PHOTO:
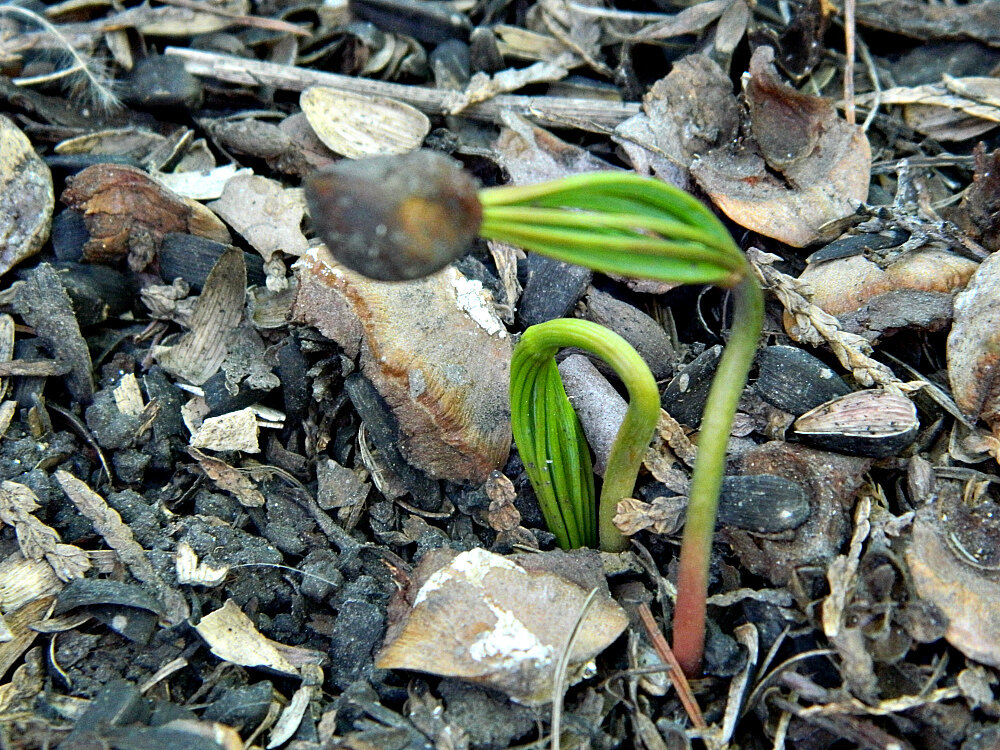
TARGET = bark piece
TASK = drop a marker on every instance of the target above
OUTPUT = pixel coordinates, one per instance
(43, 303)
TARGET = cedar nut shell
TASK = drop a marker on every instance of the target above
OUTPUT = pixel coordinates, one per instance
(395, 218)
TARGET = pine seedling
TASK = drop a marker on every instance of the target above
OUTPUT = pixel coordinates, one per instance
(404, 217)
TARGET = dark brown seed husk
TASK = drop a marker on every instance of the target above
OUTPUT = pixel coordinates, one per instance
(395, 218)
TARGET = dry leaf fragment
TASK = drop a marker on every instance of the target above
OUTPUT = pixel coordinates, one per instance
(269, 217)
(192, 572)
(665, 515)
(24, 580)
(974, 345)
(26, 197)
(108, 523)
(232, 637)
(127, 212)
(36, 540)
(200, 352)
(358, 126)
(690, 111)
(513, 625)
(229, 479)
(824, 163)
(965, 590)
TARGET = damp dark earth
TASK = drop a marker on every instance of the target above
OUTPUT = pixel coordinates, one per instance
(488, 374)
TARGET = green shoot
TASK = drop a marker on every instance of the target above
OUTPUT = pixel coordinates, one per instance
(550, 438)
(634, 226)
(397, 218)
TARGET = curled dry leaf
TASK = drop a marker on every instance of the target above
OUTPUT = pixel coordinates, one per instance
(127, 213)
(665, 515)
(435, 351)
(26, 197)
(358, 126)
(690, 111)
(496, 621)
(974, 345)
(233, 637)
(803, 167)
(867, 299)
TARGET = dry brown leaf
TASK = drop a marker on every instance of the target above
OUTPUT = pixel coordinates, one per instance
(443, 371)
(965, 593)
(229, 479)
(200, 353)
(36, 540)
(690, 111)
(665, 515)
(514, 624)
(824, 163)
(269, 217)
(232, 637)
(531, 154)
(26, 197)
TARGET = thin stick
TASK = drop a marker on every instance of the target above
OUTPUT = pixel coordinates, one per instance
(674, 671)
(586, 114)
(559, 678)
(849, 30)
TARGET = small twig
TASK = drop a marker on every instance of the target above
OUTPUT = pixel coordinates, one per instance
(586, 114)
(258, 22)
(674, 671)
(559, 678)
(849, 31)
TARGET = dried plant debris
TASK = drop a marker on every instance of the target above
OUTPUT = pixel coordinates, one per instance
(973, 369)
(201, 351)
(953, 560)
(233, 638)
(687, 113)
(269, 217)
(127, 213)
(36, 540)
(875, 300)
(444, 373)
(802, 167)
(26, 197)
(516, 620)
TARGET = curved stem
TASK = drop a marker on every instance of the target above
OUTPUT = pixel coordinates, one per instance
(540, 343)
(706, 481)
